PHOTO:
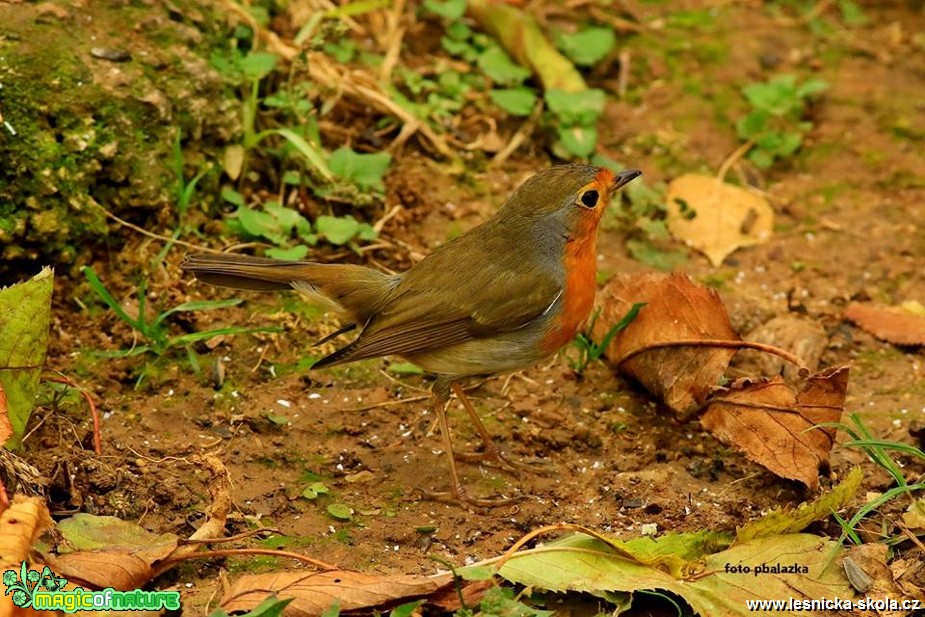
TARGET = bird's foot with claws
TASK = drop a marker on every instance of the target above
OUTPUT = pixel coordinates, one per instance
(459, 497)
(494, 456)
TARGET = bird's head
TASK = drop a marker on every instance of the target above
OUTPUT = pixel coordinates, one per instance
(567, 199)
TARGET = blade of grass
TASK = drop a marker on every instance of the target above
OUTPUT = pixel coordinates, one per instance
(312, 154)
(197, 305)
(97, 285)
(621, 325)
(195, 337)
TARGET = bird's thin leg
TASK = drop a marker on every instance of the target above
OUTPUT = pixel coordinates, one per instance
(492, 453)
(439, 397)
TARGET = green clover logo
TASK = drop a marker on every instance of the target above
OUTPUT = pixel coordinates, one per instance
(10, 578)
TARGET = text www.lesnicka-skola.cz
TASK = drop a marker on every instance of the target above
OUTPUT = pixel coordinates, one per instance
(834, 604)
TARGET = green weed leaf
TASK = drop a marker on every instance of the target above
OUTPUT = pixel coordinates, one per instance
(341, 229)
(272, 606)
(288, 219)
(406, 610)
(761, 158)
(333, 610)
(811, 87)
(576, 108)
(258, 224)
(515, 101)
(233, 197)
(296, 252)
(753, 124)
(312, 153)
(448, 9)
(405, 368)
(258, 64)
(342, 51)
(340, 511)
(458, 31)
(364, 170)
(579, 141)
(500, 68)
(313, 490)
(587, 47)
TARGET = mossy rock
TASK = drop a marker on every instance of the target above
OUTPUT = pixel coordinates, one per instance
(83, 131)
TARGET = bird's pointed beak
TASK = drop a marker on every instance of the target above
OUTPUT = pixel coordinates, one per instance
(625, 177)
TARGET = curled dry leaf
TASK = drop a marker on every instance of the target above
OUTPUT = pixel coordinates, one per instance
(313, 592)
(109, 552)
(893, 324)
(716, 218)
(773, 425)
(679, 347)
(20, 525)
(676, 310)
(118, 569)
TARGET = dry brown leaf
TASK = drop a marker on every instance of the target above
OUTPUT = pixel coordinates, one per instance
(772, 424)
(20, 525)
(6, 427)
(120, 570)
(871, 559)
(108, 552)
(313, 592)
(448, 599)
(717, 218)
(892, 324)
(914, 516)
(676, 309)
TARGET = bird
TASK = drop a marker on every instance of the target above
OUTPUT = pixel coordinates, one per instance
(501, 297)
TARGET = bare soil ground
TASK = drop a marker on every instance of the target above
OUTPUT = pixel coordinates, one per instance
(850, 212)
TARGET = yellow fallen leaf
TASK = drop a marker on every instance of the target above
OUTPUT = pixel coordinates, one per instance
(716, 218)
(913, 306)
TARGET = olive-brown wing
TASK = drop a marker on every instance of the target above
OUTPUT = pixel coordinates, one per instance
(434, 307)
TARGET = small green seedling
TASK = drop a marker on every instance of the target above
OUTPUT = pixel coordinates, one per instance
(588, 350)
(289, 231)
(155, 332)
(571, 115)
(315, 490)
(777, 125)
(270, 607)
(878, 452)
(589, 46)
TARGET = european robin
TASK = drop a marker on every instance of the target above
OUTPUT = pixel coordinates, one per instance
(501, 297)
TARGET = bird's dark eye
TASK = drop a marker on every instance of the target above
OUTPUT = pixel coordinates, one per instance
(589, 198)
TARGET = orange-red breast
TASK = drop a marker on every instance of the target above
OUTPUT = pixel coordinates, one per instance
(498, 298)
